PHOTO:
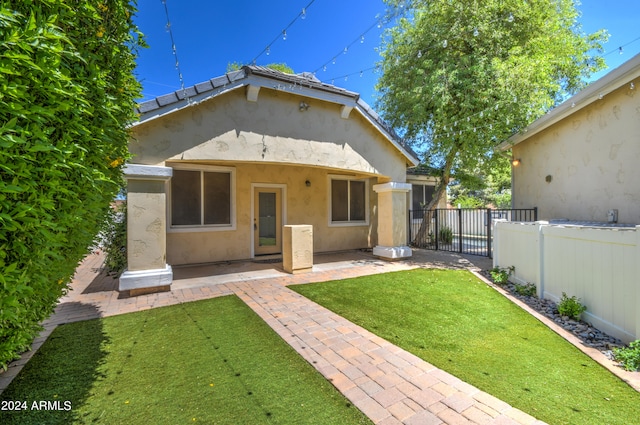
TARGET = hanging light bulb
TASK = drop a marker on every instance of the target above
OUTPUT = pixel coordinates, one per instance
(284, 35)
(419, 54)
(444, 44)
(361, 73)
(346, 77)
(361, 39)
(304, 13)
(481, 114)
(345, 50)
(475, 32)
(324, 68)
(632, 86)
(333, 61)
(620, 50)
(268, 51)
(510, 18)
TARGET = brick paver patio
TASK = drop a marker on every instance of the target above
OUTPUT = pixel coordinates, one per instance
(388, 384)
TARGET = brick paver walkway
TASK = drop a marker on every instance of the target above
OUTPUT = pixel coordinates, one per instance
(388, 384)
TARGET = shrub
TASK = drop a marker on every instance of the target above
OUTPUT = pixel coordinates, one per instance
(629, 356)
(67, 97)
(445, 235)
(527, 290)
(501, 276)
(571, 307)
(114, 241)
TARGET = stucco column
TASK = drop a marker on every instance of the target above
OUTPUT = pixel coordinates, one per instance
(147, 270)
(392, 221)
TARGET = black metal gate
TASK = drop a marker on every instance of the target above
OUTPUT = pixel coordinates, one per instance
(462, 230)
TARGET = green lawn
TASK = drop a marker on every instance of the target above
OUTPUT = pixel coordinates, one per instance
(212, 361)
(459, 324)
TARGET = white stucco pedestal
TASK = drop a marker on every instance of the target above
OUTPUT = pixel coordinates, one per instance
(392, 221)
(147, 270)
(297, 248)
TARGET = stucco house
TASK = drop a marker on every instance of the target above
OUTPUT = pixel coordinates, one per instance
(580, 161)
(219, 169)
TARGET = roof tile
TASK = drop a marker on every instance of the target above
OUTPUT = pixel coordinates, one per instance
(203, 87)
(219, 81)
(190, 91)
(167, 99)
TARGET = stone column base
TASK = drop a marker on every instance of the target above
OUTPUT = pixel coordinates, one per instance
(146, 281)
(392, 252)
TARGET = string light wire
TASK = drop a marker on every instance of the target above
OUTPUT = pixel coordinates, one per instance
(175, 52)
(283, 34)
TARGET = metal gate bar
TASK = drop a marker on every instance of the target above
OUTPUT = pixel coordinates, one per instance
(462, 230)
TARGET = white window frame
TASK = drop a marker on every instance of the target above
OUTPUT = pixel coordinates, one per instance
(203, 227)
(348, 223)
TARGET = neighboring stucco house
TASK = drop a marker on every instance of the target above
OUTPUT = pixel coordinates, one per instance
(423, 186)
(219, 168)
(581, 160)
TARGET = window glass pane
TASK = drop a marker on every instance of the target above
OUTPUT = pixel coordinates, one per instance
(418, 196)
(185, 197)
(339, 200)
(217, 198)
(428, 194)
(357, 204)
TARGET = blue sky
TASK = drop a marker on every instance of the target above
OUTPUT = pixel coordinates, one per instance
(210, 34)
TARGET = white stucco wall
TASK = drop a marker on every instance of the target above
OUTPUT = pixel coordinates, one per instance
(591, 158)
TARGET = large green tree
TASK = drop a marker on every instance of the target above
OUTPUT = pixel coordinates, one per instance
(67, 95)
(460, 76)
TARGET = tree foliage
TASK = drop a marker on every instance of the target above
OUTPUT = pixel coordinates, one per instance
(482, 188)
(461, 76)
(67, 94)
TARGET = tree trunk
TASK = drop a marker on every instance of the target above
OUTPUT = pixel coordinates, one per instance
(422, 237)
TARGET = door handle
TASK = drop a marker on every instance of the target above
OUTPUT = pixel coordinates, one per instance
(255, 226)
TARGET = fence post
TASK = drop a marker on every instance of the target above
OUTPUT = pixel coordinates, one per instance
(489, 249)
(437, 229)
(637, 332)
(460, 230)
(409, 226)
(535, 213)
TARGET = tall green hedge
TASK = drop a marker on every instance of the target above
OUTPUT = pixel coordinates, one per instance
(67, 95)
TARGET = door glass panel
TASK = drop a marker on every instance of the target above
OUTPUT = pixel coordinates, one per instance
(267, 219)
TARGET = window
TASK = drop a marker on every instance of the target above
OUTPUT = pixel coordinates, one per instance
(421, 195)
(202, 197)
(349, 201)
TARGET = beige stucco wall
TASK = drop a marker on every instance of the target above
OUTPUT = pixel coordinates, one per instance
(303, 205)
(271, 130)
(592, 157)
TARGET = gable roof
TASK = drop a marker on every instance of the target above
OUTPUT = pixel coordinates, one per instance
(624, 74)
(305, 84)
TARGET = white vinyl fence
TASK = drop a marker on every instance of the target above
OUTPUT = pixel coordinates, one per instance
(599, 265)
